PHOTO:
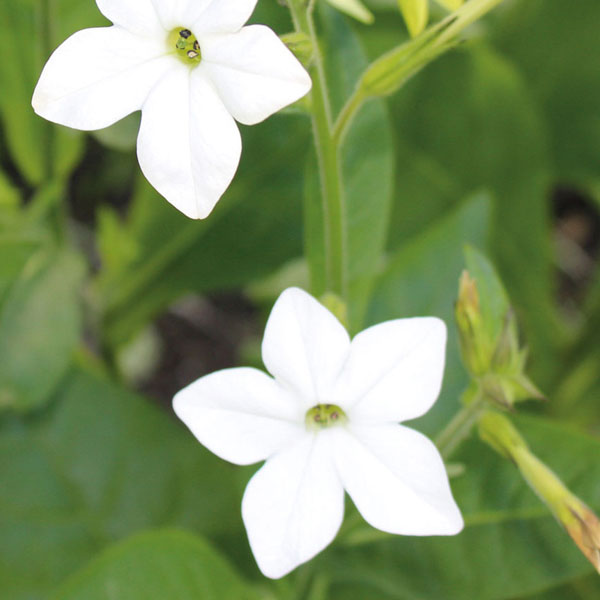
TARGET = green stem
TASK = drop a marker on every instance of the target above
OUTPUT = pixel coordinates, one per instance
(347, 115)
(328, 158)
(459, 428)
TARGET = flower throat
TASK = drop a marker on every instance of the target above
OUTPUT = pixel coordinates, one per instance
(186, 45)
(324, 415)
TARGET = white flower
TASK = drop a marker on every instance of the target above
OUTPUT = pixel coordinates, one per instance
(192, 68)
(326, 423)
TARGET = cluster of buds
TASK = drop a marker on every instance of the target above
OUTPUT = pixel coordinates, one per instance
(490, 349)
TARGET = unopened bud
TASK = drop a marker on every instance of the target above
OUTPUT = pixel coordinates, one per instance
(475, 346)
(300, 45)
(416, 15)
(334, 304)
(574, 515)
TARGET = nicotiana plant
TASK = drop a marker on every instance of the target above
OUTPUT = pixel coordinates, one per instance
(330, 417)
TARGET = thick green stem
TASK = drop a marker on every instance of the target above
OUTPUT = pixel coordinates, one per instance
(459, 428)
(328, 158)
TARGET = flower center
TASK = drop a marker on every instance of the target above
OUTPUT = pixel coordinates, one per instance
(324, 415)
(186, 45)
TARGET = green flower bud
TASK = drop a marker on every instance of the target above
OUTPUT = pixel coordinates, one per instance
(300, 45)
(475, 345)
(573, 514)
(416, 15)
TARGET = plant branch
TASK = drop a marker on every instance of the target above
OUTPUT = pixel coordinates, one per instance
(328, 158)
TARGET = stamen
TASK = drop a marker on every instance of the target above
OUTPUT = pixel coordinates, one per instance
(324, 415)
(188, 47)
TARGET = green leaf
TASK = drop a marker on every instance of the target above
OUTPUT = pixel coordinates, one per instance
(98, 465)
(552, 43)
(255, 229)
(37, 147)
(468, 121)
(157, 565)
(422, 279)
(367, 172)
(40, 326)
(511, 545)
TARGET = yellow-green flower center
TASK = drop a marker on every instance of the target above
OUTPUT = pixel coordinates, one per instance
(324, 415)
(186, 45)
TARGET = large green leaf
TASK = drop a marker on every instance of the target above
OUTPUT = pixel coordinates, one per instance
(511, 546)
(40, 323)
(99, 465)
(467, 122)
(553, 44)
(366, 167)
(422, 279)
(255, 228)
(29, 31)
(158, 565)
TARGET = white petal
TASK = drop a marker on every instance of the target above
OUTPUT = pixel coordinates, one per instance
(99, 76)
(254, 72)
(397, 480)
(394, 371)
(241, 415)
(293, 506)
(189, 145)
(138, 16)
(304, 346)
(180, 13)
(224, 16)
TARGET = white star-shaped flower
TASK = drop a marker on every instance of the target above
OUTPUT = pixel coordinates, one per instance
(192, 68)
(327, 422)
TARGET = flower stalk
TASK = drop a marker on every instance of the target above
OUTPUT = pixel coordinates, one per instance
(580, 522)
(389, 72)
(328, 147)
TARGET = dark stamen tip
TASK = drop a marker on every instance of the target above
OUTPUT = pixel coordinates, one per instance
(185, 33)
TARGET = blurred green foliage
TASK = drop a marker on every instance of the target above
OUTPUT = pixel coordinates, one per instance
(470, 151)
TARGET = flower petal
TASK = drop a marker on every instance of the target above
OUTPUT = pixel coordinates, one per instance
(180, 13)
(254, 72)
(224, 16)
(241, 415)
(293, 506)
(137, 16)
(189, 146)
(394, 370)
(99, 76)
(304, 346)
(205, 16)
(397, 480)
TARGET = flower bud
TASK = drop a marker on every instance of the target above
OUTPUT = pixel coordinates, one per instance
(300, 45)
(574, 515)
(475, 345)
(490, 347)
(415, 13)
(335, 305)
